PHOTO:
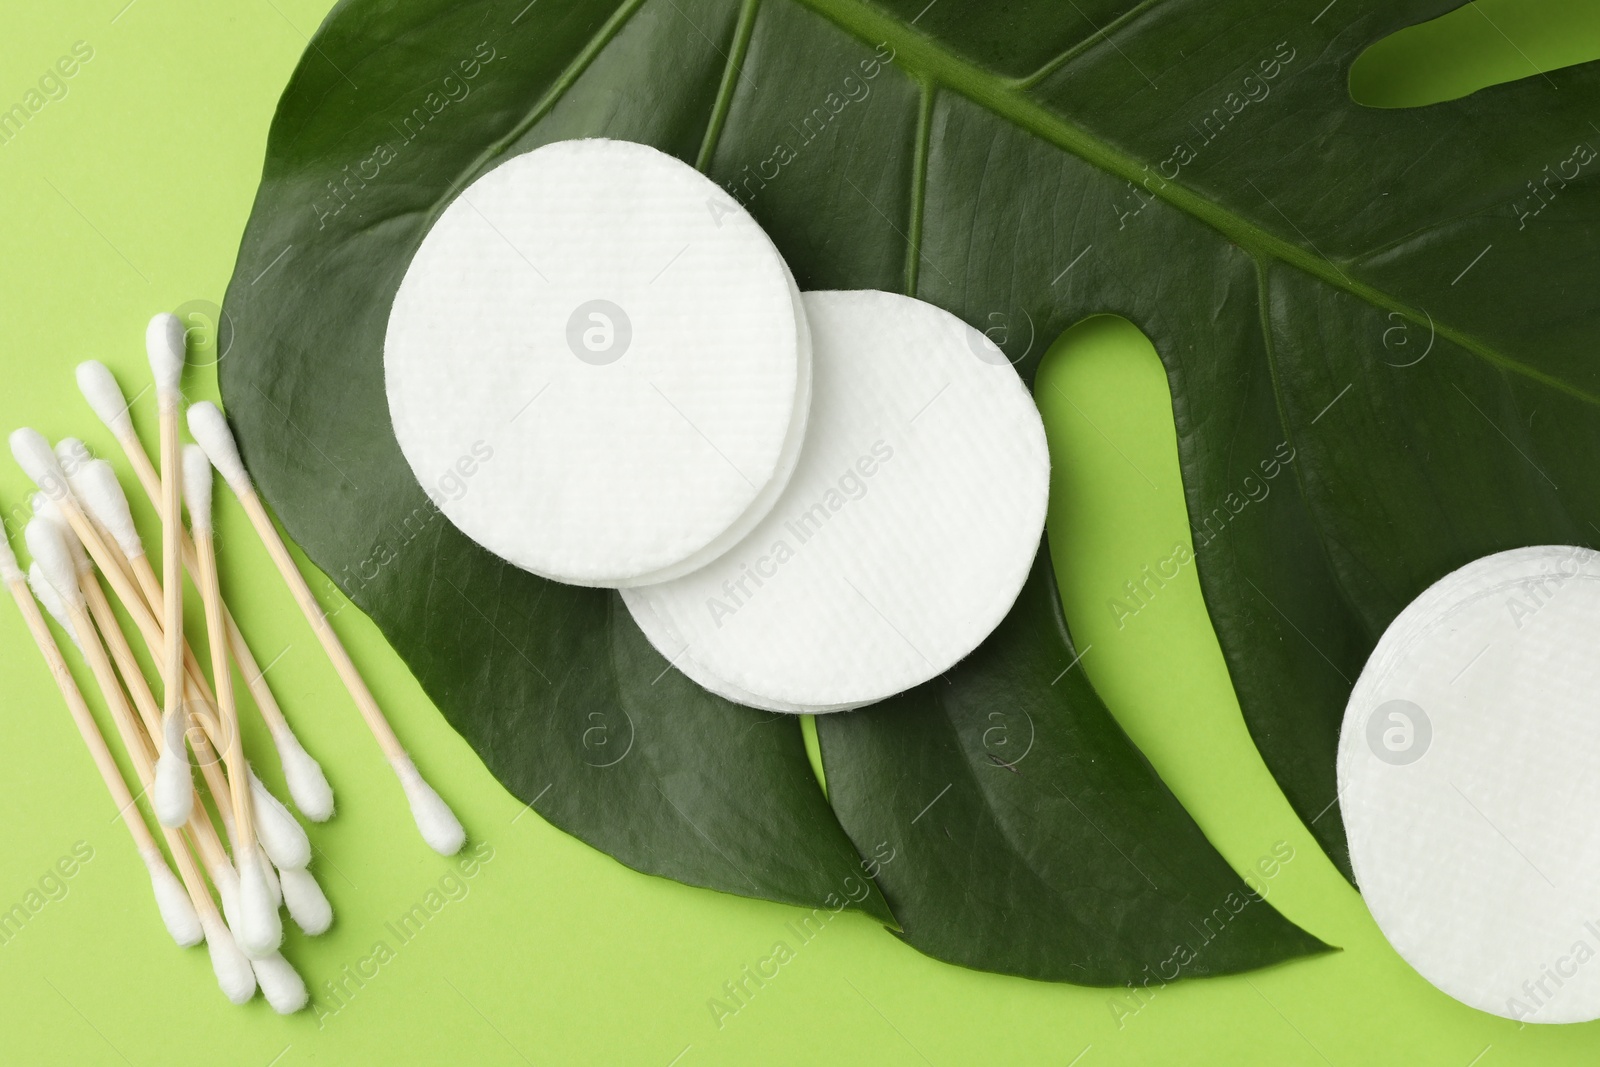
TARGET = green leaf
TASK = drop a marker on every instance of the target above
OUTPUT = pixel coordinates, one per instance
(1028, 835)
(1388, 305)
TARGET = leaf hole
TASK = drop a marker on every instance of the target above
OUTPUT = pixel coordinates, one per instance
(1483, 43)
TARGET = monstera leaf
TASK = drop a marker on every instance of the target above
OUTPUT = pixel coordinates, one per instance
(1370, 320)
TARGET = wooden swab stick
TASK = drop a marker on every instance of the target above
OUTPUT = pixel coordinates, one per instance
(260, 928)
(164, 344)
(307, 784)
(175, 901)
(437, 823)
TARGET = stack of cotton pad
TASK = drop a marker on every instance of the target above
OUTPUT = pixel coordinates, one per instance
(596, 365)
(903, 538)
(600, 369)
(1468, 785)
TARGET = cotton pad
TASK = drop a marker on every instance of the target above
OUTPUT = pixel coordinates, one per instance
(1467, 784)
(901, 541)
(597, 366)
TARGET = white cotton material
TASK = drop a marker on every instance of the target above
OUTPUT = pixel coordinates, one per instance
(72, 454)
(38, 461)
(50, 551)
(282, 837)
(9, 571)
(228, 961)
(281, 984)
(1465, 775)
(172, 792)
(308, 905)
(274, 886)
(226, 879)
(197, 487)
(597, 365)
(209, 427)
(260, 928)
(164, 344)
(99, 387)
(98, 491)
(50, 511)
(308, 786)
(172, 900)
(438, 824)
(46, 594)
(904, 537)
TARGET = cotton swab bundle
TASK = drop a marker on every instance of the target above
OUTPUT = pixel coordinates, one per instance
(36, 457)
(308, 786)
(53, 559)
(260, 929)
(439, 826)
(172, 795)
(42, 464)
(172, 900)
(164, 344)
(230, 964)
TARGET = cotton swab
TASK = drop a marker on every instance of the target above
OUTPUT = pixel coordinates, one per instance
(439, 826)
(307, 903)
(308, 786)
(164, 344)
(172, 900)
(260, 929)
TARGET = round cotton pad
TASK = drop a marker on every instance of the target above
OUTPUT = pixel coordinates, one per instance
(597, 365)
(1466, 782)
(904, 536)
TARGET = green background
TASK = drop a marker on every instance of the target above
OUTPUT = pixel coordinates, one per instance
(126, 196)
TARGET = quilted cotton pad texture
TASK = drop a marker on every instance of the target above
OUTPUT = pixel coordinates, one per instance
(1467, 784)
(597, 365)
(904, 536)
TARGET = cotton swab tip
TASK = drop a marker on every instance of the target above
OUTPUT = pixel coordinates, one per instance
(210, 427)
(438, 824)
(47, 595)
(308, 786)
(96, 487)
(10, 572)
(281, 984)
(197, 487)
(260, 929)
(48, 545)
(228, 962)
(48, 510)
(172, 794)
(307, 903)
(274, 886)
(105, 398)
(285, 842)
(177, 910)
(72, 454)
(34, 455)
(163, 343)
